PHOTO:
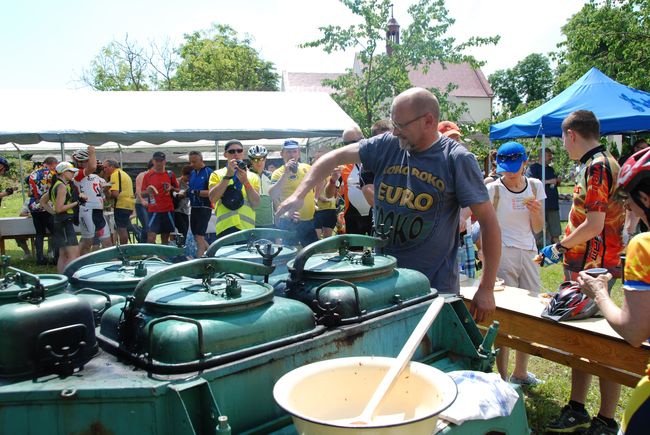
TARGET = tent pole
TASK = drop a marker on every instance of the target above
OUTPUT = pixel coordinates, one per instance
(20, 171)
(119, 148)
(543, 163)
(62, 151)
(216, 154)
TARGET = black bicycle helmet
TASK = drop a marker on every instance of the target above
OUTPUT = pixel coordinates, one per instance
(4, 163)
(569, 303)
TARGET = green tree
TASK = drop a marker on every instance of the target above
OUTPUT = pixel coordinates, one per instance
(366, 94)
(119, 67)
(217, 59)
(530, 80)
(611, 35)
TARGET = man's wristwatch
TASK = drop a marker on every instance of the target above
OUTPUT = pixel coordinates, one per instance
(228, 178)
(561, 249)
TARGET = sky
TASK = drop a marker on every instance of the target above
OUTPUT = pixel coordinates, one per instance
(47, 44)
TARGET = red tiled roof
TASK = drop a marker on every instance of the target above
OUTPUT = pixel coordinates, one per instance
(471, 82)
(307, 82)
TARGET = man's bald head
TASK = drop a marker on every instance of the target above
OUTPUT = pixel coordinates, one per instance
(419, 101)
(352, 135)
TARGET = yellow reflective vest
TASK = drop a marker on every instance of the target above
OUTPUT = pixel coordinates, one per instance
(242, 218)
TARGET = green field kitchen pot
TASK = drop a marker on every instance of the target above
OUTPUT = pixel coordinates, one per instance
(345, 385)
(105, 277)
(204, 318)
(42, 329)
(268, 246)
(344, 286)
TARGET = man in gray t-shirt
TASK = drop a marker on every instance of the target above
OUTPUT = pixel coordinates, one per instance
(419, 195)
(421, 181)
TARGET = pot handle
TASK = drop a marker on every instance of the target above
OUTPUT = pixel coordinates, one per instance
(340, 243)
(247, 236)
(121, 252)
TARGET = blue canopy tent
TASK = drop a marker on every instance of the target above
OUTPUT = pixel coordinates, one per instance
(619, 108)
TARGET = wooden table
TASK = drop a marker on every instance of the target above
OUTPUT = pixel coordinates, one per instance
(16, 227)
(590, 345)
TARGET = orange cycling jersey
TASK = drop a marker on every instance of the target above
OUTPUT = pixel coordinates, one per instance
(596, 191)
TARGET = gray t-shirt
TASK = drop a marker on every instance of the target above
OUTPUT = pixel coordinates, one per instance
(419, 195)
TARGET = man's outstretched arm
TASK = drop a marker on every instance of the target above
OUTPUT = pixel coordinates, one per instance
(320, 171)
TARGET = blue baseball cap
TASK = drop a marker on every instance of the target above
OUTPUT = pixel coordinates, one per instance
(290, 145)
(510, 157)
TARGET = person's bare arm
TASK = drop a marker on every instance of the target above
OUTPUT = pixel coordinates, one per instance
(590, 228)
(45, 204)
(251, 193)
(218, 189)
(324, 166)
(59, 203)
(92, 161)
(368, 191)
(536, 215)
(483, 306)
(631, 321)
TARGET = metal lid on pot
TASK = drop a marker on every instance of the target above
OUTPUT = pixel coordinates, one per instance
(250, 253)
(18, 285)
(116, 276)
(208, 296)
(350, 265)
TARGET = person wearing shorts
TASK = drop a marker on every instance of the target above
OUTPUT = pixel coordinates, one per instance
(60, 196)
(120, 191)
(201, 208)
(325, 216)
(158, 185)
(91, 215)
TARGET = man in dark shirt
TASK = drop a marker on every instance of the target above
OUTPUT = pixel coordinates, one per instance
(552, 204)
(421, 182)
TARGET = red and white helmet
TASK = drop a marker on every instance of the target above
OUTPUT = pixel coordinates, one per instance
(634, 170)
(569, 303)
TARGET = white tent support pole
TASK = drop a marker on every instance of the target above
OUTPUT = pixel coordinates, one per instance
(20, 171)
(216, 154)
(62, 151)
(543, 163)
(119, 148)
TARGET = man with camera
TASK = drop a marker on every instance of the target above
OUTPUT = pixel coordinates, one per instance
(234, 192)
(285, 181)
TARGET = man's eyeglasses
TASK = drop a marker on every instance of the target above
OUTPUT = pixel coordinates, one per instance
(397, 126)
(509, 157)
(235, 151)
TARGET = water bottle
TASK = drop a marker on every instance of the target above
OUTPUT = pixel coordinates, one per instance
(470, 262)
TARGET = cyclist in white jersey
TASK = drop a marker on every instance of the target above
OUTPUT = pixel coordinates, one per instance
(91, 214)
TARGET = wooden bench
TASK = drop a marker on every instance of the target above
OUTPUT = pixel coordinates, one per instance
(14, 228)
(590, 345)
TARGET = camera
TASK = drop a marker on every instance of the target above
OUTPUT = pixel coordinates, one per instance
(241, 165)
(294, 168)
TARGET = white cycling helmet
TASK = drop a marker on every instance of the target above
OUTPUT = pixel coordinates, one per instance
(257, 152)
(80, 155)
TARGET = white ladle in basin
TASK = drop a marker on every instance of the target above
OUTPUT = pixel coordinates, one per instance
(400, 362)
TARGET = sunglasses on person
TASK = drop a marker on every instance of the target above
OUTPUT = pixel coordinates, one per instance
(503, 158)
(235, 151)
(256, 159)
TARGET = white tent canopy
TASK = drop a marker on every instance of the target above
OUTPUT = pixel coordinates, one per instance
(95, 118)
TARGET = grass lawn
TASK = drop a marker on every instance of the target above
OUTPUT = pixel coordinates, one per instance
(543, 402)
